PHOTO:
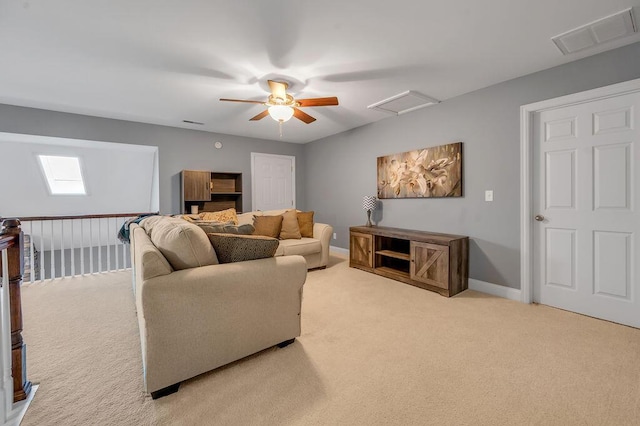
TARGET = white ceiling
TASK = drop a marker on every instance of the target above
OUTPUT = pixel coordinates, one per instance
(166, 61)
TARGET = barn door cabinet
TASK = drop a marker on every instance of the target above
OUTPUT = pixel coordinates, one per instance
(433, 261)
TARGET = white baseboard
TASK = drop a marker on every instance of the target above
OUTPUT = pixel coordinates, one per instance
(339, 250)
(477, 285)
(495, 289)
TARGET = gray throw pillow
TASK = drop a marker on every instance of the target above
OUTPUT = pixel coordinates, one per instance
(226, 228)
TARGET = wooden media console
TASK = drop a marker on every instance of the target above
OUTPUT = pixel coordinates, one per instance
(433, 261)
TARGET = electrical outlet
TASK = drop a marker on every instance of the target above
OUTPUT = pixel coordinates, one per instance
(488, 195)
(335, 236)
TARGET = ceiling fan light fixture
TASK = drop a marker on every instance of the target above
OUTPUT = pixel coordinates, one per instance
(280, 113)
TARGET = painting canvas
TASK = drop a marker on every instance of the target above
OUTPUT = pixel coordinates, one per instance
(423, 173)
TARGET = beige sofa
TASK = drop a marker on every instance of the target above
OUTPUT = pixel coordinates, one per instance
(195, 315)
(315, 250)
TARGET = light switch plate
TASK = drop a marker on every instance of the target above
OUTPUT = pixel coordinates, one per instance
(488, 195)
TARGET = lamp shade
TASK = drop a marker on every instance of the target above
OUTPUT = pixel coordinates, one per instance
(281, 112)
(369, 202)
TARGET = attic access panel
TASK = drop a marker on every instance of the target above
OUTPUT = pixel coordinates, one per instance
(609, 28)
(404, 102)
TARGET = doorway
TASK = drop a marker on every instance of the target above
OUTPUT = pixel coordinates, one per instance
(580, 187)
(273, 183)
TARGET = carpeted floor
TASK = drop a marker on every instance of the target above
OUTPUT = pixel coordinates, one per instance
(372, 352)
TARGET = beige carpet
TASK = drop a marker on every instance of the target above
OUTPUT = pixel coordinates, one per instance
(373, 351)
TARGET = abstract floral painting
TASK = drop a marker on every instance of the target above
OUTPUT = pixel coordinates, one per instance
(423, 173)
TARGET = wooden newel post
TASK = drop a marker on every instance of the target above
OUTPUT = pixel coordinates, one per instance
(15, 266)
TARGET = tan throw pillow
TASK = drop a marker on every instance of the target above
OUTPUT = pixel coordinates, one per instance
(228, 215)
(290, 229)
(269, 226)
(239, 248)
(305, 222)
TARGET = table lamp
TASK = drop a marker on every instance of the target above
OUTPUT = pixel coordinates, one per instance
(369, 204)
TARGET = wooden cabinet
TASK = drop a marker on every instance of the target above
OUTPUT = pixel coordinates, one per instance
(196, 185)
(361, 250)
(433, 261)
(211, 191)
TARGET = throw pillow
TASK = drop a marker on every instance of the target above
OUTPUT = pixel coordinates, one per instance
(305, 221)
(239, 248)
(269, 226)
(290, 229)
(226, 228)
(228, 215)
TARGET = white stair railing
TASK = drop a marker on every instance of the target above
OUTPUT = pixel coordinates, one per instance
(67, 246)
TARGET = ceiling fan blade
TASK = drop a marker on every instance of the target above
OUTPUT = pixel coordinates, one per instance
(303, 116)
(242, 100)
(318, 102)
(260, 116)
(278, 89)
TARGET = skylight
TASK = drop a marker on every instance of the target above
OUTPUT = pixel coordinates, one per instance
(63, 175)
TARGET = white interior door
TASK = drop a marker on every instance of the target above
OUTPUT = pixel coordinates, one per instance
(273, 181)
(586, 186)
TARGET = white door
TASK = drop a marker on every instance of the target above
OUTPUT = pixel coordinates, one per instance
(586, 187)
(272, 181)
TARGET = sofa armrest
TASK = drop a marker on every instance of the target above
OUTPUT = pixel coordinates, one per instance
(212, 315)
(322, 232)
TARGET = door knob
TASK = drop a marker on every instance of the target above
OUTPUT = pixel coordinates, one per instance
(539, 217)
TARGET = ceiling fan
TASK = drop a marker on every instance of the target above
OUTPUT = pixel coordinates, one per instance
(282, 106)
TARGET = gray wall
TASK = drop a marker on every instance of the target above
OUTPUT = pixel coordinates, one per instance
(341, 169)
(179, 149)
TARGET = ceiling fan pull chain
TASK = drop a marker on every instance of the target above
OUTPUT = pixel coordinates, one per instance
(280, 126)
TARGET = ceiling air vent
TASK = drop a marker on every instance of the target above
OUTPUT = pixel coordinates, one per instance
(618, 25)
(404, 102)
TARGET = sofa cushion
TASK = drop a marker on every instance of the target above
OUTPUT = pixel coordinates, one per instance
(228, 215)
(269, 226)
(239, 248)
(183, 244)
(290, 228)
(247, 218)
(302, 247)
(274, 212)
(151, 262)
(305, 222)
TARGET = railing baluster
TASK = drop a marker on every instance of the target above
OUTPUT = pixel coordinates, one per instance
(124, 252)
(91, 245)
(108, 245)
(115, 219)
(53, 254)
(73, 252)
(32, 263)
(82, 246)
(99, 246)
(41, 250)
(62, 256)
